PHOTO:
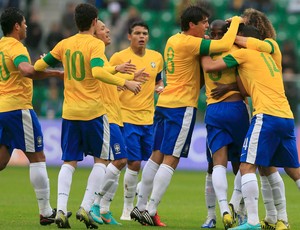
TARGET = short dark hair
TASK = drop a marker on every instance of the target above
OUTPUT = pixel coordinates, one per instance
(250, 31)
(84, 15)
(9, 18)
(137, 23)
(192, 14)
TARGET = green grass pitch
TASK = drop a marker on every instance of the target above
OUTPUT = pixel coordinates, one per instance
(182, 207)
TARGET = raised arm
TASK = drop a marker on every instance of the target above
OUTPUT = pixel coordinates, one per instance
(227, 41)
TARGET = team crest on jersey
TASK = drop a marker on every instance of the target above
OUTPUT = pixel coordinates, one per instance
(39, 140)
(117, 148)
(153, 65)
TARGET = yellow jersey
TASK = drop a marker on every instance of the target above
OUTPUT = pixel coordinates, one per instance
(80, 55)
(111, 100)
(139, 109)
(268, 45)
(15, 89)
(226, 76)
(262, 80)
(181, 55)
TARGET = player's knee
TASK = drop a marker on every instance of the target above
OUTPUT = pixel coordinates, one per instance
(120, 163)
(3, 165)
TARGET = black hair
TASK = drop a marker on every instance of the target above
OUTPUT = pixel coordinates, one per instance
(84, 16)
(250, 31)
(223, 25)
(9, 18)
(192, 14)
(137, 23)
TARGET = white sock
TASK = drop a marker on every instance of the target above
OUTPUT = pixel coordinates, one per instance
(210, 197)
(146, 184)
(237, 195)
(40, 182)
(109, 196)
(94, 183)
(250, 195)
(161, 182)
(266, 191)
(112, 175)
(298, 183)
(278, 192)
(130, 182)
(64, 185)
(219, 181)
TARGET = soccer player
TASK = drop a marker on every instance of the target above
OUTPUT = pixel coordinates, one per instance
(118, 155)
(19, 125)
(227, 122)
(269, 45)
(175, 112)
(138, 110)
(270, 140)
(85, 128)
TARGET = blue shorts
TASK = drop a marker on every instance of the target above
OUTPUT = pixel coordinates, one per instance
(227, 124)
(138, 141)
(80, 138)
(20, 129)
(271, 141)
(173, 128)
(117, 145)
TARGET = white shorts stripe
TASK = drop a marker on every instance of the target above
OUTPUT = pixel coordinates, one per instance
(253, 143)
(183, 134)
(106, 139)
(28, 131)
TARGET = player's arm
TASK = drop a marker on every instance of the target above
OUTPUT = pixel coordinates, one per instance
(224, 44)
(159, 83)
(210, 65)
(104, 76)
(42, 64)
(255, 44)
(27, 70)
(125, 68)
(222, 89)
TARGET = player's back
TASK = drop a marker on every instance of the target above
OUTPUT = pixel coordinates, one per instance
(263, 81)
(15, 89)
(82, 94)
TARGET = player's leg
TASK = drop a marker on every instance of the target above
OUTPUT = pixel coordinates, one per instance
(132, 136)
(28, 137)
(210, 199)
(270, 218)
(4, 156)
(179, 123)
(95, 136)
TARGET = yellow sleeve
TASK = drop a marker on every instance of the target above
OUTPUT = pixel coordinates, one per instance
(103, 75)
(110, 69)
(125, 76)
(227, 41)
(40, 65)
(259, 45)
